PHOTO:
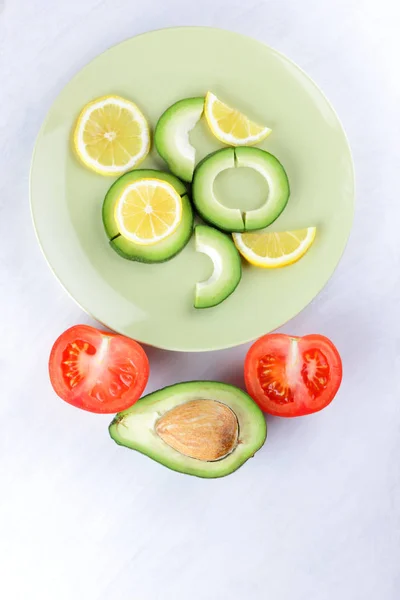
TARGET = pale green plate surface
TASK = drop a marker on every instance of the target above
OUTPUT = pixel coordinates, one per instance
(153, 303)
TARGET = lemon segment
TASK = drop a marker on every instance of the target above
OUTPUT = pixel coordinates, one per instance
(111, 135)
(148, 211)
(272, 250)
(230, 126)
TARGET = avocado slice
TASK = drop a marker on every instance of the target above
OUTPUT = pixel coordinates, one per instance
(227, 266)
(162, 251)
(234, 219)
(201, 428)
(171, 136)
(207, 205)
(278, 186)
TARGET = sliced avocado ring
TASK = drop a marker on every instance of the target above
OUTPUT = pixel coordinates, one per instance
(115, 191)
(164, 250)
(227, 265)
(230, 428)
(234, 219)
(171, 136)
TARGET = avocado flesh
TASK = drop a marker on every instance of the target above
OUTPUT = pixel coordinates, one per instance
(227, 266)
(171, 136)
(275, 175)
(136, 427)
(207, 204)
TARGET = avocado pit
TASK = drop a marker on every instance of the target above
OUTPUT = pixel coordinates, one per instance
(206, 430)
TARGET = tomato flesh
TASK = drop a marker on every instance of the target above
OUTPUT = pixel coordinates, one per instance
(290, 376)
(272, 377)
(315, 372)
(98, 371)
(73, 367)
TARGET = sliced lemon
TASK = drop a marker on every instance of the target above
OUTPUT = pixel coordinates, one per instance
(231, 126)
(111, 135)
(148, 211)
(271, 250)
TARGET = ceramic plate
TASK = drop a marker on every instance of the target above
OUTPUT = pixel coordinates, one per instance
(154, 303)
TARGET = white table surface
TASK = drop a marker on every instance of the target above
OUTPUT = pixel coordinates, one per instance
(316, 514)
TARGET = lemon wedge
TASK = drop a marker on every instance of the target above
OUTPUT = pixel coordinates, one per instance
(231, 126)
(111, 135)
(272, 250)
(148, 211)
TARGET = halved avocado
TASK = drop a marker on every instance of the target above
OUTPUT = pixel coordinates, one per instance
(171, 136)
(227, 265)
(201, 428)
(162, 251)
(235, 219)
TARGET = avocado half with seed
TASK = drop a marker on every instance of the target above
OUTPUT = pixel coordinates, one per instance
(227, 266)
(201, 428)
(171, 136)
(162, 251)
(216, 212)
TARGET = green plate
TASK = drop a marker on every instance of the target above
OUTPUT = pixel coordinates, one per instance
(154, 303)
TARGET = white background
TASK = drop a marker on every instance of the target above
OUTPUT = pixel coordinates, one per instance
(316, 514)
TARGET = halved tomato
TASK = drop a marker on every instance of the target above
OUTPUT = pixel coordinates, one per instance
(98, 371)
(291, 376)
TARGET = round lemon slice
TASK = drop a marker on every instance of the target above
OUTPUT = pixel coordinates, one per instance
(148, 211)
(111, 135)
(231, 126)
(272, 250)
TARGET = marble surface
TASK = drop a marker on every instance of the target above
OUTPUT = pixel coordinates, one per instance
(316, 514)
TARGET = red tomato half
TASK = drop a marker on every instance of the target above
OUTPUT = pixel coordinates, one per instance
(290, 376)
(98, 371)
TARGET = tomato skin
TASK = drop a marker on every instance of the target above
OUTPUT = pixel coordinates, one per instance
(98, 371)
(292, 376)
